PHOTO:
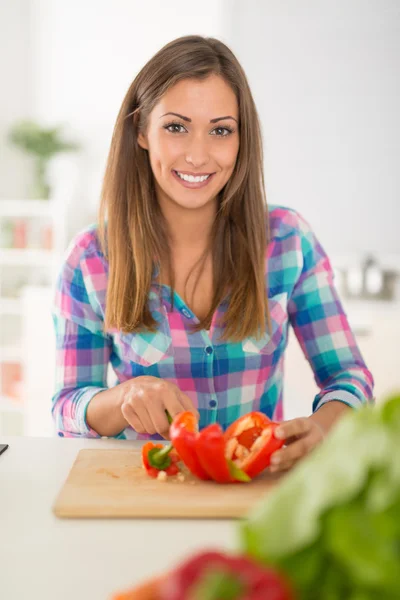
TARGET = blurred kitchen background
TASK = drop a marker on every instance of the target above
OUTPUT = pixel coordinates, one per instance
(326, 80)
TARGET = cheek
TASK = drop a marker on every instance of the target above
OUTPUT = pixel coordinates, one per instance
(164, 153)
(227, 156)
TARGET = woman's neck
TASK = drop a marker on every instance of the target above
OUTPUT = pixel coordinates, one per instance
(189, 229)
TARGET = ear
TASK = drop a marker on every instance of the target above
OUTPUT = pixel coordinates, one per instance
(142, 141)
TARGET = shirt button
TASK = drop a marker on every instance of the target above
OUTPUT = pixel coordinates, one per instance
(209, 350)
(186, 313)
(213, 403)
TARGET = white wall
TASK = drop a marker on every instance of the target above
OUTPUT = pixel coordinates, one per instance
(15, 94)
(326, 79)
(87, 53)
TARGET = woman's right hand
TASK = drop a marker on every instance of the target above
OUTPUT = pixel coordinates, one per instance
(145, 401)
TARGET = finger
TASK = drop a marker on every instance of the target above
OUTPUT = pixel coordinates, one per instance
(296, 427)
(282, 467)
(145, 416)
(132, 418)
(291, 440)
(177, 402)
(160, 421)
(188, 404)
(293, 452)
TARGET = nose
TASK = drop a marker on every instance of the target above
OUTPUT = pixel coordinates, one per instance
(197, 153)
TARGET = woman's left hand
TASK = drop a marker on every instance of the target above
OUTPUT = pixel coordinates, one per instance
(301, 436)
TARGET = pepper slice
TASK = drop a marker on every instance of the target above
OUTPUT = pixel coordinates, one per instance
(250, 442)
(213, 575)
(158, 457)
(210, 449)
(183, 433)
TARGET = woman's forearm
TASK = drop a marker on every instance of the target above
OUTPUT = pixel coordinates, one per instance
(329, 414)
(104, 411)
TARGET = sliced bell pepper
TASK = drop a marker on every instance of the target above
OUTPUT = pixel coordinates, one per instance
(250, 442)
(214, 575)
(210, 450)
(183, 433)
(158, 457)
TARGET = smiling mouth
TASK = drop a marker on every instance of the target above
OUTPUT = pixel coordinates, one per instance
(193, 178)
(191, 181)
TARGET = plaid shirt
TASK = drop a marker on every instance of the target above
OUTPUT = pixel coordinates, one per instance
(224, 380)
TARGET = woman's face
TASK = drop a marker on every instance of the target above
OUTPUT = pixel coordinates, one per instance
(192, 138)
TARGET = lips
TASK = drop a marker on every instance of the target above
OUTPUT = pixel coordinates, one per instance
(193, 184)
(193, 174)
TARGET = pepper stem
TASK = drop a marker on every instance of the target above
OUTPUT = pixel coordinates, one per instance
(159, 457)
(237, 473)
(219, 585)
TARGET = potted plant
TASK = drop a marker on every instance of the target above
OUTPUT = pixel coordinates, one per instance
(42, 144)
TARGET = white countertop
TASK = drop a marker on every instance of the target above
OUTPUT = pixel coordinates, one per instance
(42, 557)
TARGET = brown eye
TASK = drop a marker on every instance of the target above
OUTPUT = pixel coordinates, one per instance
(221, 131)
(174, 128)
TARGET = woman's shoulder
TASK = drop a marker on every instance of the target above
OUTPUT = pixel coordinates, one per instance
(285, 221)
(85, 245)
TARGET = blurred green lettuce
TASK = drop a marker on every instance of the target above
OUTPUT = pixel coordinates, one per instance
(333, 524)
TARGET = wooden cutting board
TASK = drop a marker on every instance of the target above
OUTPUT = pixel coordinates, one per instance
(112, 483)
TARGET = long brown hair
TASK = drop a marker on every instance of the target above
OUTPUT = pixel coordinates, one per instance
(132, 229)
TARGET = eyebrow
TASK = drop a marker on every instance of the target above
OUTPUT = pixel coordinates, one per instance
(190, 120)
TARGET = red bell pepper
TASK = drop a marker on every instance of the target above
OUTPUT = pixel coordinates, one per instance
(183, 433)
(158, 457)
(212, 575)
(240, 454)
(250, 442)
(210, 449)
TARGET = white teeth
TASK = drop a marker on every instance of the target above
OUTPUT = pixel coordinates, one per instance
(191, 178)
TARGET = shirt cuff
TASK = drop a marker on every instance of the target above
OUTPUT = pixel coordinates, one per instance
(81, 406)
(341, 396)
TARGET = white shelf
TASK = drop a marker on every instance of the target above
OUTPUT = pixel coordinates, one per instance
(26, 208)
(10, 354)
(27, 256)
(9, 405)
(10, 306)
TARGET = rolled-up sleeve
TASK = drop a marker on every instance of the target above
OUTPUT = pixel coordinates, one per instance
(82, 348)
(323, 331)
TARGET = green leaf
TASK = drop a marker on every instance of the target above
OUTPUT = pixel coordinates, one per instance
(365, 545)
(391, 412)
(333, 523)
(288, 518)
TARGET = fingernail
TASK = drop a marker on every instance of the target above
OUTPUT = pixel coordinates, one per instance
(278, 433)
(275, 460)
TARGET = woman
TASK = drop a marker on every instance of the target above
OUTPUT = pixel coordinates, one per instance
(189, 284)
